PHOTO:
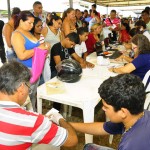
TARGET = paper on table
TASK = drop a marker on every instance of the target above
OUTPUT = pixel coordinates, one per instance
(53, 110)
(56, 87)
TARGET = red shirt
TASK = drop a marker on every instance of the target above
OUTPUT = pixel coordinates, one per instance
(124, 36)
(90, 42)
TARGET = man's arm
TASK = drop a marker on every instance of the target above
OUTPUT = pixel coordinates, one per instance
(82, 62)
(72, 139)
(95, 128)
(58, 119)
(57, 59)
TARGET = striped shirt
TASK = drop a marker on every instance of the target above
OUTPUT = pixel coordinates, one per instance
(114, 21)
(20, 128)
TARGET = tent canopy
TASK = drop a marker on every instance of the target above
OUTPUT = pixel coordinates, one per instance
(118, 3)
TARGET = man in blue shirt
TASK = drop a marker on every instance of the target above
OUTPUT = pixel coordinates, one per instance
(123, 100)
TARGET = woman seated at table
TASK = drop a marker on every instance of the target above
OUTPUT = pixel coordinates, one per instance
(128, 56)
(141, 62)
(93, 37)
(124, 33)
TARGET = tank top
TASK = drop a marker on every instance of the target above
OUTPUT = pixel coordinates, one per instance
(51, 37)
(28, 45)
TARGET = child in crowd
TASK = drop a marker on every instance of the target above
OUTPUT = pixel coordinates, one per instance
(80, 48)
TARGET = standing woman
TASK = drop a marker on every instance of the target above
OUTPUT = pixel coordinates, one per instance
(52, 34)
(24, 43)
(95, 19)
(7, 32)
(69, 22)
(36, 31)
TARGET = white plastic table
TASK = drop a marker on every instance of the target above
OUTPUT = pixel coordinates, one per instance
(82, 94)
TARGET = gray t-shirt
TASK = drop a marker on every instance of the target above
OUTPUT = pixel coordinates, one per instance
(137, 138)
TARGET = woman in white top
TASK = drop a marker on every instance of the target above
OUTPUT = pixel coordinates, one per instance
(52, 33)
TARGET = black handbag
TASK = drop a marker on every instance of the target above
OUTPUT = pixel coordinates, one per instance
(113, 36)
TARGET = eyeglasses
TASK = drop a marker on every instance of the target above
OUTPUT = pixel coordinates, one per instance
(29, 88)
(66, 53)
(134, 48)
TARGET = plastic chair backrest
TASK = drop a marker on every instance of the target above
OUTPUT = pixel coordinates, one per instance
(147, 75)
(145, 80)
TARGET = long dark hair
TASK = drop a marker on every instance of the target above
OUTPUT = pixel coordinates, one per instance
(23, 15)
(36, 20)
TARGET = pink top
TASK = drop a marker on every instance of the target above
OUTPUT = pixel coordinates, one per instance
(115, 21)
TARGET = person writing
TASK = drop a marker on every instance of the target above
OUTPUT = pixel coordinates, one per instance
(141, 53)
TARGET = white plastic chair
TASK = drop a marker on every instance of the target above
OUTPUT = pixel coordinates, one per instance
(145, 80)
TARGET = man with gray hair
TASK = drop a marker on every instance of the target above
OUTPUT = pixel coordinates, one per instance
(20, 128)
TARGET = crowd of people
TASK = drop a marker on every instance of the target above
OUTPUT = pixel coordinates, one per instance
(73, 36)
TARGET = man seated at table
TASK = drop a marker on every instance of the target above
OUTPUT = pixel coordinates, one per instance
(20, 128)
(123, 98)
(64, 50)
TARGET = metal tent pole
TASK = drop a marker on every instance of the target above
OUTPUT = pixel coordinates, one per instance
(8, 5)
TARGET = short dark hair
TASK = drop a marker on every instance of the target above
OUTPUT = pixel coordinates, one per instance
(113, 11)
(86, 10)
(82, 30)
(53, 17)
(37, 3)
(12, 74)
(74, 37)
(141, 23)
(146, 12)
(142, 43)
(124, 91)
(133, 32)
(94, 5)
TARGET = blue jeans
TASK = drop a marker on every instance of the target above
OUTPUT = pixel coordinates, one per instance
(10, 54)
(91, 146)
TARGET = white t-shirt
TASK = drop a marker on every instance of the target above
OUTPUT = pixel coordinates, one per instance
(146, 33)
(80, 49)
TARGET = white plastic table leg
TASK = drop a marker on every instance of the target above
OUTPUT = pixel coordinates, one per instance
(70, 111)
(88, 114)
(39, 105)
(65, 111)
